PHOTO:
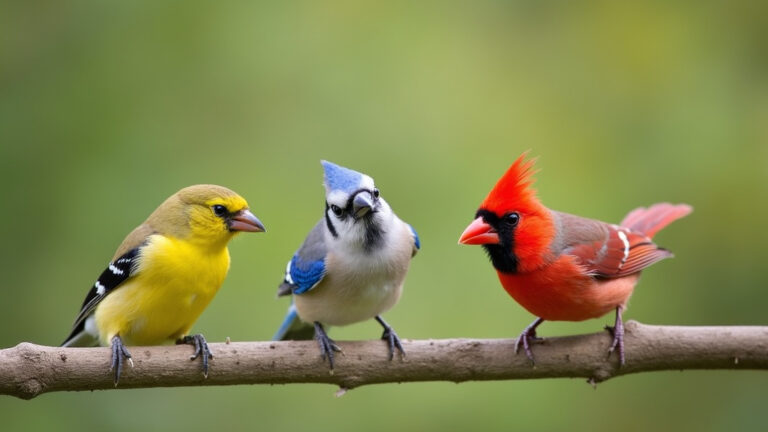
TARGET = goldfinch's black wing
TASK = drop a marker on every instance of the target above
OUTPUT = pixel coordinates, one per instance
(117, 272)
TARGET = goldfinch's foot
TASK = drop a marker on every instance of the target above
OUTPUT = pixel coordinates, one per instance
(119, 354)
(526, 337)
(391, 337)
(201, 349)
(326, 344)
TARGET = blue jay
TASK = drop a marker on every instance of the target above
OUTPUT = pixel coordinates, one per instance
(351, 266)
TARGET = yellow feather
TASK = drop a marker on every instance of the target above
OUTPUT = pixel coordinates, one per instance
(182, 262)
(175, 281)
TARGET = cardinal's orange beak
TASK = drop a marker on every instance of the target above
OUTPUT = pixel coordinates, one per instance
(479, 233)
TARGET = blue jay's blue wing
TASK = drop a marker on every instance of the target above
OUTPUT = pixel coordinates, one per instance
(293, 328)
(416, 241)
(307, 267)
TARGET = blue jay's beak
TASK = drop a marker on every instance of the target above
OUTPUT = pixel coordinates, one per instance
(244, 220)
(362, 204)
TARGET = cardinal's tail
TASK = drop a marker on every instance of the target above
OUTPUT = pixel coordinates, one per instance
(651, 220)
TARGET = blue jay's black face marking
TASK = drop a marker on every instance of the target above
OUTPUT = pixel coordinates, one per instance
(354, 209)
(329, 224)
(362, 203)
(373, 234)
(357, 209)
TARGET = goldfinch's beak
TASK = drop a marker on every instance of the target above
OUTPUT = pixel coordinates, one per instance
(244, 220)
(479, 233)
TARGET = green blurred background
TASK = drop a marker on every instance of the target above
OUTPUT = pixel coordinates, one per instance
(106, 108)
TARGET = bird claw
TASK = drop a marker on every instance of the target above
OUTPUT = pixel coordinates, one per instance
(391, 337)
(526, 337)
(393, 340)
(617, 331)
(201, 349)
(119, 352)
(327, 345)
(617, 344)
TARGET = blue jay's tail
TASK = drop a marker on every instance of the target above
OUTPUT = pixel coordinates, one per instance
(294, 328)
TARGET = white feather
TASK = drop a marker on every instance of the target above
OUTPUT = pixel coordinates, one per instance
(360, 284)
(100, 289)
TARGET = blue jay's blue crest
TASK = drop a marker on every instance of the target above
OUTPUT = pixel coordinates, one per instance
(340, 178)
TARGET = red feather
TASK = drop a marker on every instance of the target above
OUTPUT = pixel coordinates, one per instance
(565, 267)
(621, 253)
(513, 190)
(651, 220)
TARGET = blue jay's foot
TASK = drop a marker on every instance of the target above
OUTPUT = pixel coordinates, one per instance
(526, 337)
(119, 353)
(201, 349)
(326, 344)
(390, 336)
(617, 331)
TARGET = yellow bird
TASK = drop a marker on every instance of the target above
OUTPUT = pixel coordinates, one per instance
(164, 274)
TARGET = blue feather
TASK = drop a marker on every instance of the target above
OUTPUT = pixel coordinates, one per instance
(306, 274)
(340, 178)
(416, 240)
(289, 320)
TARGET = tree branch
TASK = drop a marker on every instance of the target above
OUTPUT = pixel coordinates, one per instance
(28, 370)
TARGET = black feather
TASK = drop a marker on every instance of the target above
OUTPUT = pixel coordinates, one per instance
(110, 279)
(502, 255)
(373, 233)
(328, 223)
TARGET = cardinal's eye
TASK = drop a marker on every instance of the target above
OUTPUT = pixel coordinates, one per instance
(219, 210)
(336, 210)
(512, 219)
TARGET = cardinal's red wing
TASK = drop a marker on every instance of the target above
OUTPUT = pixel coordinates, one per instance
(620, 252)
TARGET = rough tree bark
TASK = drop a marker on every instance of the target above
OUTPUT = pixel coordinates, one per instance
(28, 370)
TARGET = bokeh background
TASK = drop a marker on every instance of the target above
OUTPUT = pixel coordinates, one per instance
(106, 108)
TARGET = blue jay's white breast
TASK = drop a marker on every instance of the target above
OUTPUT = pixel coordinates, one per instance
(359, 285)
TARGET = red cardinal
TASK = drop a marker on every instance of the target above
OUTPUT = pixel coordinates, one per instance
(562, 267)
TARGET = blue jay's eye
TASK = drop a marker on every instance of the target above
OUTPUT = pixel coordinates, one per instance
(375, 192)
(336, 210)
(512, 219)
(219, 210)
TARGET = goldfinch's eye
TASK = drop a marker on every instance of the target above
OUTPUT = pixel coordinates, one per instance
(336, 210)
(376, 192)
(512, 219)
(219, 210)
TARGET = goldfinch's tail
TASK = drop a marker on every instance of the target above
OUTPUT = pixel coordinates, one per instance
(81, 339)
(88, 336)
